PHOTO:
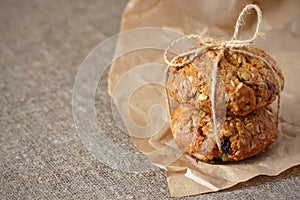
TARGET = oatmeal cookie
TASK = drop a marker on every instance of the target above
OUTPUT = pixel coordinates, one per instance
(244, 83)
(241, 136)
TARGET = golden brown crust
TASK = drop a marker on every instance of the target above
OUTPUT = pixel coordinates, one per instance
(241, 136)
(245, 82)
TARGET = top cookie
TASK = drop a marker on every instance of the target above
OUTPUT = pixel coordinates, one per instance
(244, 82)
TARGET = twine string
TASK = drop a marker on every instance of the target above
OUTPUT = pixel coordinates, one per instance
(209, 43)
(239, 22)
(213, 97)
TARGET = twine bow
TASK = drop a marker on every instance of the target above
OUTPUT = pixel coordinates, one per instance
(209, 43)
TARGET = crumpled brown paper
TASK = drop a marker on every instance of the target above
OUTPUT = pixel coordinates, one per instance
(136, 84)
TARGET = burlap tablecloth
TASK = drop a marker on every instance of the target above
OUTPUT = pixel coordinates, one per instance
(42, 44)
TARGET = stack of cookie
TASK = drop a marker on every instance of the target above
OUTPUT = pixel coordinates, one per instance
(248, 84)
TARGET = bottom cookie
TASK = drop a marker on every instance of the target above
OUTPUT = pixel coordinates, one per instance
(241, 137)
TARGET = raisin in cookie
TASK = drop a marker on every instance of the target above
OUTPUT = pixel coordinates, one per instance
(244, 82)
(241, 136)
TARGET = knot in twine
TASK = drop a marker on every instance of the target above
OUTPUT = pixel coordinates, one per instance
(209, 43)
